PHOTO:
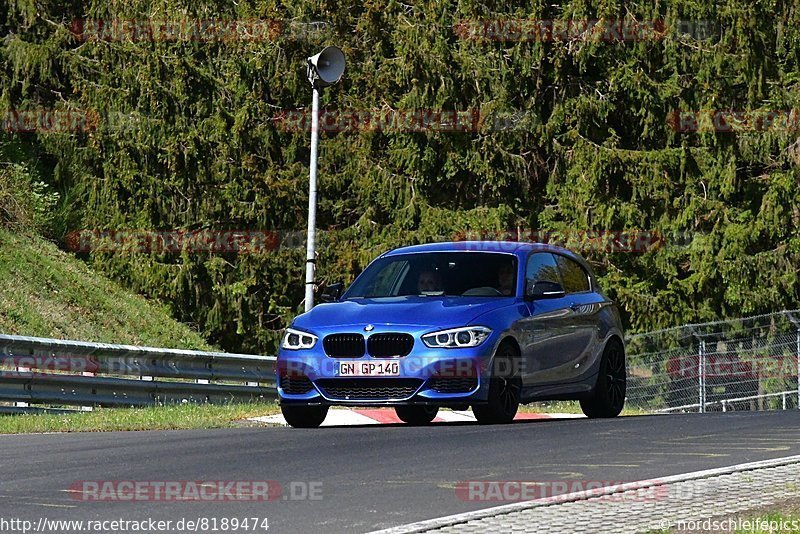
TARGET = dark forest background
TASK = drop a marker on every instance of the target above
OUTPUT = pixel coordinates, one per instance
(575, 134)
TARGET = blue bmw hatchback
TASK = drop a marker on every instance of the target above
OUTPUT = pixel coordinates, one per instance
(489, 325)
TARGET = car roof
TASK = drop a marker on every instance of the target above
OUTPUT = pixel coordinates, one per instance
(509, 247)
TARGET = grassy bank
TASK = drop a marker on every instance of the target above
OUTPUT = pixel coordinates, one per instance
(47, 293)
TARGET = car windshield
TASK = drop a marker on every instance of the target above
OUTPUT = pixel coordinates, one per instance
(477, 274)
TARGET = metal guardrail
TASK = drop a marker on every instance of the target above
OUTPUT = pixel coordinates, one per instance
(726, 403)
(62, 372)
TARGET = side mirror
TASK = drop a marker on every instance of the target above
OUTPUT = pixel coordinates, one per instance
(541, 289)
(332, 292)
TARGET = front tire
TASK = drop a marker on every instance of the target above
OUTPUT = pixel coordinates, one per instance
(505, 388)
(608, 396)
(304, 416)
(416, 415)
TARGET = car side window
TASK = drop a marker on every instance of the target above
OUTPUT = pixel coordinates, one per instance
(574, 276)
(542, 267)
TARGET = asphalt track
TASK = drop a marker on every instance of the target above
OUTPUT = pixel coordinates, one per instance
(373, 476)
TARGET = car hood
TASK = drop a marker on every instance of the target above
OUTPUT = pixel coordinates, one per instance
(408, 310)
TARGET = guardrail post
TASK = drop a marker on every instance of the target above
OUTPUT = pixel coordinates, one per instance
(18, 369)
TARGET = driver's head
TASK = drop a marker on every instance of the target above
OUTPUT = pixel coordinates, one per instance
(505, 279)
(429, 281)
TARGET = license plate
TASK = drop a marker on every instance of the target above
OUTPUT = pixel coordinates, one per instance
(373, 368)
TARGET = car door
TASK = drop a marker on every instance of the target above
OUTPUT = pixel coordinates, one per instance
(544, 332)
(581, 324)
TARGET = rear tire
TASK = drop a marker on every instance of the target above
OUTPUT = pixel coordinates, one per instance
(608, 396)
(505, 388)
(304, 416)
(416, 415)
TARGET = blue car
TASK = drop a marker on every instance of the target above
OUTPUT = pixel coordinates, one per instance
(489, 325)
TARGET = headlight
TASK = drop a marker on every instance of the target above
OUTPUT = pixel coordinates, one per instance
(455, 338)
(297, 340)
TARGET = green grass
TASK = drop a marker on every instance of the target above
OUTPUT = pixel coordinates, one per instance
(170, 417)
(173, 417)
(569, 407)
(46, 292)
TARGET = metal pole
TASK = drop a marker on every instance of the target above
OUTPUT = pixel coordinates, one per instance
(312, 202)
(702, 374)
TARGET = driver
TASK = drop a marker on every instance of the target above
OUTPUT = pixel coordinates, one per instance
(429, 282)
(505, 279)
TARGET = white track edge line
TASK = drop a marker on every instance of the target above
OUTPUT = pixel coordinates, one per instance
(446, 521)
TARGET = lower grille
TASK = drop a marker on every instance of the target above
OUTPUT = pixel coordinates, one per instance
(453, 385)
(296, 385)
(369, 388)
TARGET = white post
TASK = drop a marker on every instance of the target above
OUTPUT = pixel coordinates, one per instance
(798, 367)
(702, 375)
(312, 202)
(20, 369)
(324, 69)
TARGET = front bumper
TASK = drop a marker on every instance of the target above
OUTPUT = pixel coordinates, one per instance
(443, 377)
